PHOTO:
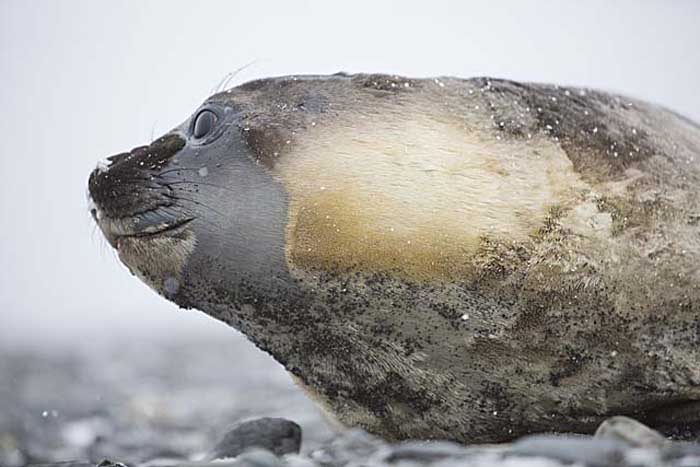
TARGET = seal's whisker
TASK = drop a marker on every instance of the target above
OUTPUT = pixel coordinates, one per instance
(181, 198)
(153, 130)
(135, 180)
(216, 88)
(197, 182)
(103, 246)
(228, 77)
(176, 212)
(235, 73)
(175, 170)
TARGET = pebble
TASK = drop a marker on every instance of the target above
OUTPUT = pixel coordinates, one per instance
(276, 435)
(356, 448)
(630, 432)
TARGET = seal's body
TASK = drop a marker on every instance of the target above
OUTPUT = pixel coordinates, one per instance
(440, 258)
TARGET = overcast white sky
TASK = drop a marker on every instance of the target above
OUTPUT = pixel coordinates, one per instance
(81, 80)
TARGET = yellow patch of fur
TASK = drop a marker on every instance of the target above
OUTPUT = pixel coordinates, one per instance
(415, 195)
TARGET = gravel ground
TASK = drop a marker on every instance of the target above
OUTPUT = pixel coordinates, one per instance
(149, 403)
(139, 401)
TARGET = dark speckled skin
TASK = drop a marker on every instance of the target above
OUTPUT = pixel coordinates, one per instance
(589, 312)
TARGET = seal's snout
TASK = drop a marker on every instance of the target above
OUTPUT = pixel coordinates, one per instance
(127, 195)
(127, 183)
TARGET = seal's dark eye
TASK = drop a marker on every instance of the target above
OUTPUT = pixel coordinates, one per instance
(203, 123)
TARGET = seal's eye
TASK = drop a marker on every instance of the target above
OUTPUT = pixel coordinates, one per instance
(203, 123)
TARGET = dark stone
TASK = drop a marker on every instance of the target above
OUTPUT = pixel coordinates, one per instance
(277, 435)
(109, 463)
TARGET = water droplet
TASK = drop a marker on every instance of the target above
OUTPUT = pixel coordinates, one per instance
(203, 172)
(171, 285)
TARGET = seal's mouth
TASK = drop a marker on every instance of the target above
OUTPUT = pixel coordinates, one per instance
(143, 226)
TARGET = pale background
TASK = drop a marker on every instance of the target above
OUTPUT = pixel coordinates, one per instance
(81, 80)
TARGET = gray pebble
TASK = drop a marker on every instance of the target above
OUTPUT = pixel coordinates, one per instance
(276, 435)
(630, 432)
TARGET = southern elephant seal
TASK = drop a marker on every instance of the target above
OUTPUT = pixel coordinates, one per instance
(468, 259)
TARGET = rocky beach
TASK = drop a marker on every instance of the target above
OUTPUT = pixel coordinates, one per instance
(201, 401)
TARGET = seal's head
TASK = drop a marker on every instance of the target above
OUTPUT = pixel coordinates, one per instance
(193, 200)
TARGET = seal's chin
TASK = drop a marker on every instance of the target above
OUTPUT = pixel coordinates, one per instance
(154, 245)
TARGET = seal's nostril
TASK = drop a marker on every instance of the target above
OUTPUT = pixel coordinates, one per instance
(93, 211)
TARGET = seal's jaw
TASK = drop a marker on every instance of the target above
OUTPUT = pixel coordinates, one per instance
(153, 245)
(158, 260)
